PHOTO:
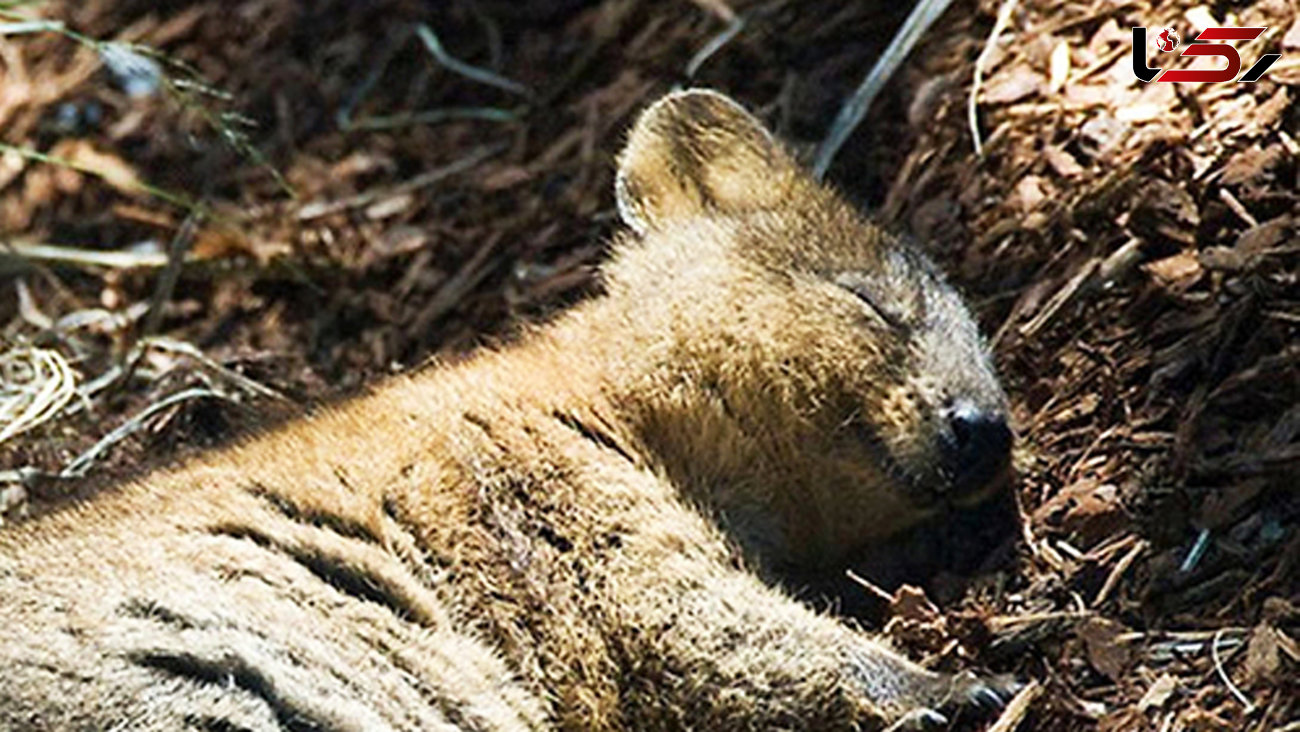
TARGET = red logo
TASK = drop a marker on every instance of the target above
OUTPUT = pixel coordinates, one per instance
(1167, 40)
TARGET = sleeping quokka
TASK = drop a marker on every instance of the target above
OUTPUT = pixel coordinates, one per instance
(573, 531)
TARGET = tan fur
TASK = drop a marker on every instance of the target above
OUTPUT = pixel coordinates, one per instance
(558, 534)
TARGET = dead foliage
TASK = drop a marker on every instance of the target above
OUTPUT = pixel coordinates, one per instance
(1132, 248)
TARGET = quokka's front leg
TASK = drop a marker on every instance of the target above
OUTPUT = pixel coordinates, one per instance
(709, 646)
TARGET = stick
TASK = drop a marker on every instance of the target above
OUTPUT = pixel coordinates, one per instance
(857, 105)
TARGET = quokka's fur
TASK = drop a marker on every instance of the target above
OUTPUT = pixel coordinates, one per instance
(569, 532)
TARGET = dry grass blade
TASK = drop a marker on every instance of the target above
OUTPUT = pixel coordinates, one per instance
(317, 209)
(35, 384)
(1120, 568)
(234, 377)
(856, 106)
(1223, 675)
(972, 110)
(21, 27)
(23, 251)
(81, 465)
(469, 71)
(111, 176)
(715, 44)
(433, 117)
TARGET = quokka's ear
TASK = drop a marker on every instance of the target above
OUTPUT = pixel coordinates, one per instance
(697, 151)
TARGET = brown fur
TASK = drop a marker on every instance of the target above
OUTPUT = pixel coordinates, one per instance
(561, 533)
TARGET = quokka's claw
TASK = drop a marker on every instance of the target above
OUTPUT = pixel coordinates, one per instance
(986, 697)
(987, 693)
(924, 720)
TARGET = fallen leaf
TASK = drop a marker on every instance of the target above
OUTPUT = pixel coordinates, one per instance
(1106, 655)
(910, 603)
(1011, 86)
(1177, 272)
(1029, 192)
(1157, 695)
(1263, 656)
(1062, 162)
(1252, 166)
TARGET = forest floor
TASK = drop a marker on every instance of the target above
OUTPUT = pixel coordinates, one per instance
(306, 199)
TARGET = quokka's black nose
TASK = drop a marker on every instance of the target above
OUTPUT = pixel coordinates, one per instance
(981, 444)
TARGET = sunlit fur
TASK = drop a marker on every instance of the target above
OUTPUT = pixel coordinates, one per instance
(767, 387)
(561, 533)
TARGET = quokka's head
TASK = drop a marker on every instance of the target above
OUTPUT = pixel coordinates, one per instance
(821, 381)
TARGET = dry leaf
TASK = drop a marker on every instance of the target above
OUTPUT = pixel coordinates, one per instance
(1062, 162)
(910, 603)
(1106, 655)
(1158, 693)
(1254, 165)
(1011, 86)
(1177, 272)
(1263, 656)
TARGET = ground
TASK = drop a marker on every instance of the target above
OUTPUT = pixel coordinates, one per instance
(307, 199)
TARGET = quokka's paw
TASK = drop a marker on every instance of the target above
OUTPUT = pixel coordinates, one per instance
(950, 695)
(984, 693)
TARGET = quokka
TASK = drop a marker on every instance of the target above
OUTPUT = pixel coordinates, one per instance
(576, 531)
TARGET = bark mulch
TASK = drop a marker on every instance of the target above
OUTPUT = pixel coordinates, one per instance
(297, 198)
